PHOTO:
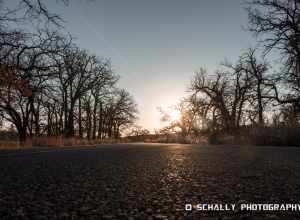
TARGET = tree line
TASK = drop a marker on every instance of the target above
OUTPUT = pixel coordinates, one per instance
(250, 92)
(50, 86)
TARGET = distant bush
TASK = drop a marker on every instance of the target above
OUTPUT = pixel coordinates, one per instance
(167, 138)
(272, 136)
(289, 136)
(8, 136)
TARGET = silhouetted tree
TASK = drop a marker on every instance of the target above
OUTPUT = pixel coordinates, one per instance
(24, 72)
(226, 91)
(258, 79)
(277, 23)
(48, 85)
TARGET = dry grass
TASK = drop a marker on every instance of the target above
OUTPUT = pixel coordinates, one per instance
(264, 136)
(279, 136)
(9, 144)
(53, 142)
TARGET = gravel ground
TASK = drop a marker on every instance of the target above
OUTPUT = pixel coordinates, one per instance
(146, 181)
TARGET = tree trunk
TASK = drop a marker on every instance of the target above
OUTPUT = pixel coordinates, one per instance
(69, 130)
(95, 119)
(49, 121)
(22, 137)
(37, 124)
(89, 121)
(80, 118)
(65, 107)
(22, 134)
(100, 126)
(260, 106)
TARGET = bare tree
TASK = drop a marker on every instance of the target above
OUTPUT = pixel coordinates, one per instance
(277, 23)
(137, 131)
(224, 90)
(48, 85)
(122, 112)
(258, 80)
(29, 11)
(24, 71)
(78, 73)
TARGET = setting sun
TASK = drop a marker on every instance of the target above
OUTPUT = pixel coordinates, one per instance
(175, 115)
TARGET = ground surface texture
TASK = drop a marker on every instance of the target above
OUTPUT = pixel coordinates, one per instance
(146, 181)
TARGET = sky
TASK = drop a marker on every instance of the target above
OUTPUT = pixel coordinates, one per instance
(156, 45)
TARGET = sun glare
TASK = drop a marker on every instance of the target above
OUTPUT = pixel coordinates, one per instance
(175, 115)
